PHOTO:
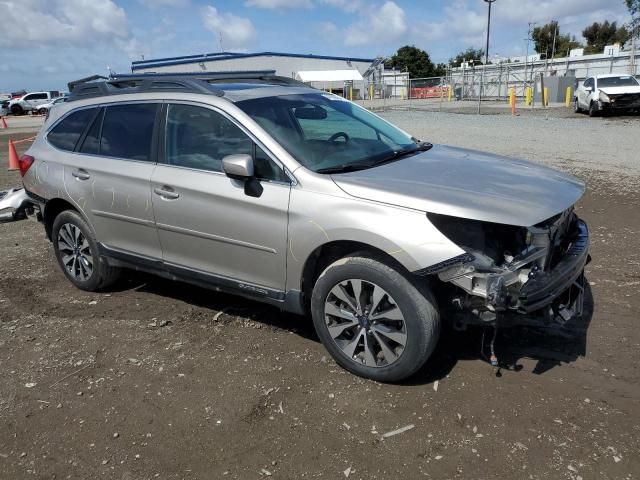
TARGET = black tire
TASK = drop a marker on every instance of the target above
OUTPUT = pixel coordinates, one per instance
(593, 109)
(17, 110)
(416, 303)
(42, 111)
(102, 275)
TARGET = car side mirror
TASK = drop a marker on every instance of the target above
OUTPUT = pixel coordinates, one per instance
(238, 166)
(588, 89)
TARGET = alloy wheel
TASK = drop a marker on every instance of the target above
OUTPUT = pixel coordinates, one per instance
(75, 252)
(365, 322)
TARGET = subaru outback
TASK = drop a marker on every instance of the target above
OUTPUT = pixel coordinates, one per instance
(264, 187)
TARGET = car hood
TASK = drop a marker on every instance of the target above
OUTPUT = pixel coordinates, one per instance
(620, 90)
(467, 184)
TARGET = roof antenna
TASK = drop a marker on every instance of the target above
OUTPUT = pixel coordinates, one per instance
(111, 72)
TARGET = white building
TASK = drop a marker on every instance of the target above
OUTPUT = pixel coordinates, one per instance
(283, 64)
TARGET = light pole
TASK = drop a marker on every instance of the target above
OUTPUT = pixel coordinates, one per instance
(486, 55)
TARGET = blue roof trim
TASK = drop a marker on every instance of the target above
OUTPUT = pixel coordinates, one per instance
(119, 76)
(213, 57)
(184, 57)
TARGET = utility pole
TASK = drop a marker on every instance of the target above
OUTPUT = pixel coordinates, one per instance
(526, 58)
(486, 55)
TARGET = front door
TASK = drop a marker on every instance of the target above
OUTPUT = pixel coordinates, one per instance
(210, 223)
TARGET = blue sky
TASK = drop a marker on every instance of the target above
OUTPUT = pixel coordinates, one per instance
(46, 43)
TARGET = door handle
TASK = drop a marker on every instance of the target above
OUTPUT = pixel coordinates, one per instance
(166, 193)
(81, 174)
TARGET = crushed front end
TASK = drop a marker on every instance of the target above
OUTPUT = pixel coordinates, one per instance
(521, 275)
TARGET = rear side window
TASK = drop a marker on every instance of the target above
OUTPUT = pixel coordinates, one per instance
(65, 135)
(37, 96)
(127, 131)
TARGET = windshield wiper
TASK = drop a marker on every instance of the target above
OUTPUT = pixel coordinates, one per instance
(354, 167)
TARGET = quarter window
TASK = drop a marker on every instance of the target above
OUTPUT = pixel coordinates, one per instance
(65, 135)
(127, 131)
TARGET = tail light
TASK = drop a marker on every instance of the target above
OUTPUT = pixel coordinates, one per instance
(24, 163)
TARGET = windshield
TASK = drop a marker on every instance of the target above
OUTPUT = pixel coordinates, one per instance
(326, 133)
(623, 81)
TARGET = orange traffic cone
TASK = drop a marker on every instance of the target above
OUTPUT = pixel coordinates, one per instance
(13, 157)
(3, 124)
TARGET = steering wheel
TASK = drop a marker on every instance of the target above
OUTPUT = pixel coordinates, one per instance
(337, 135)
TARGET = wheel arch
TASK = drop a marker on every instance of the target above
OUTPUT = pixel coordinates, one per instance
(55, 207)
(327, 253)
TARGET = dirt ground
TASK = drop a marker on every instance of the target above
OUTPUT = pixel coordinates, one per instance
(157, 379)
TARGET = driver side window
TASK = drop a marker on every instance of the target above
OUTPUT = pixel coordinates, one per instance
(589, 83)
(200, 138)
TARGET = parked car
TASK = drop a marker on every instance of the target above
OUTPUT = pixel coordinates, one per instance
(276, 191)
(31, 102)
(605, 94)
(43, 109)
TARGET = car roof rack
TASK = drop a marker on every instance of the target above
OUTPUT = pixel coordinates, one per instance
(195, 82)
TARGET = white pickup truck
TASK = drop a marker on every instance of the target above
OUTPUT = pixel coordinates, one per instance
(31, 102)
(608, 94)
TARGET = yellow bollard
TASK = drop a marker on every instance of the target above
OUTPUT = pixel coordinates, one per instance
(527, 96)
(546, 97)
(567, 97)
(449, 93)
(351, 94)
(371, 92)
(512, 100)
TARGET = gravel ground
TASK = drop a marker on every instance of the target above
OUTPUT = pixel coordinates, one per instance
(157, 379)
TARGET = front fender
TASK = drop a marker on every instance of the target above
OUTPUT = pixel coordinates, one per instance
(407, 235)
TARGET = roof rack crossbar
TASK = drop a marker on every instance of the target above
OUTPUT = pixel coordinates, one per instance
(195, 82)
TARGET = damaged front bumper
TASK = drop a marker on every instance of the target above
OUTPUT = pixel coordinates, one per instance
(544, 283)
(619, 102)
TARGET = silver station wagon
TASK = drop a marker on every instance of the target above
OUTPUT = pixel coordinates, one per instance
(264, 187)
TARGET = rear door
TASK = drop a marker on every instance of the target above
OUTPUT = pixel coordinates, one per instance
(209, 223)
(109, 174)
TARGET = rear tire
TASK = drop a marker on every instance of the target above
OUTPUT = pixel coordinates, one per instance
(77, 252)
(385, 335)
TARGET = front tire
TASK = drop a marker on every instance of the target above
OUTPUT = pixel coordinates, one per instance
(77, 253)
(375, 321)
(593, 109)
(17, 110)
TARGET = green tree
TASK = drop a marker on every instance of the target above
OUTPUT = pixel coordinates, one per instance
(634, 10)
(598, 35)
(414, 60)
(475, 54)
(543, 38)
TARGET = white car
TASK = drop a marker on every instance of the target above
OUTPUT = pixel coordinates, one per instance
(31, 102)
(607, 94)
(42, 109)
